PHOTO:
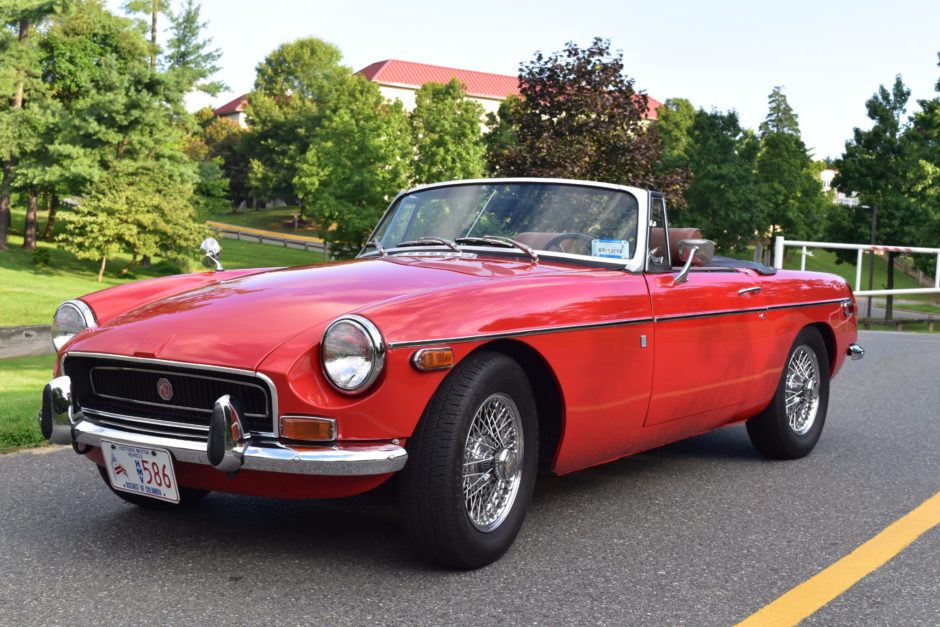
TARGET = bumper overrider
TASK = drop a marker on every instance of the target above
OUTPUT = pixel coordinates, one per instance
(229, 447)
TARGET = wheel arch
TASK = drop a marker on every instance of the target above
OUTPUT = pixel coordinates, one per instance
(829, 339)
(549, 401)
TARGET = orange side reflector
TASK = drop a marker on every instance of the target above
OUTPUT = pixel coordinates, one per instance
(433, 359)
(308, 428)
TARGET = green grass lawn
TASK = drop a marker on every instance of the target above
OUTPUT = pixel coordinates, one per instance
(279, 219)
(21, 383)
(29, 293)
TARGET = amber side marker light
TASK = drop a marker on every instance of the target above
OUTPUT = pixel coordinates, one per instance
(428, 359)
(308, 428)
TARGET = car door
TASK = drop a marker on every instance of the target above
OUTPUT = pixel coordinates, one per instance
(707, 337)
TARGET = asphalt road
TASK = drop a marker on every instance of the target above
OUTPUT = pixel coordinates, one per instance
(703, 532)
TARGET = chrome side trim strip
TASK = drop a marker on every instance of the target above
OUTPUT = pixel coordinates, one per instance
(341, 460)
(183, 364)
(523, 333)
(602, 325)
(710, 314)
(815, 303)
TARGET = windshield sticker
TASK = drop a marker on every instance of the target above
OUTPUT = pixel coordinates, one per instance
(611, 248)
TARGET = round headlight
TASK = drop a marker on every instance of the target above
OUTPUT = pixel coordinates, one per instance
(353, 354)
(71, 317)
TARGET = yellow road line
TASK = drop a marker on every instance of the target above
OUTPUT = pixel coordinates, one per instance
(263, 232)
(806, 598)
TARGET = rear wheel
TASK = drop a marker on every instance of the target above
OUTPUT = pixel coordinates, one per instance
(472, 464)
(791, 425)
(188, 496)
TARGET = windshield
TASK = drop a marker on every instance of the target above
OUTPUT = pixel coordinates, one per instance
(548, 217)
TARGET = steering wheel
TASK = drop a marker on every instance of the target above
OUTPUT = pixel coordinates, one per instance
(555, 241)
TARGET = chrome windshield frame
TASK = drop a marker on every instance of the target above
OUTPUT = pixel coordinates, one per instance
(635, 263)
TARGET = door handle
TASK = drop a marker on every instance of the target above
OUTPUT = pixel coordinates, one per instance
(749, 290)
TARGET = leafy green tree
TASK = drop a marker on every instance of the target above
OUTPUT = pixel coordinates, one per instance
(447, 135)
(108, 117)
(19, 80)
(222, 139)
(780, 115)
(878, 164)
(307, 68)
(723, 197)
(152, 10)
(582, 117)
(358, 160)
(143, 208)
(922, 143)
(188, 57)
(791, 191)
(674, 124)
(296, 87)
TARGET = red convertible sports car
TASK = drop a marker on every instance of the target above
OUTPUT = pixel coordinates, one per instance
(488, 329)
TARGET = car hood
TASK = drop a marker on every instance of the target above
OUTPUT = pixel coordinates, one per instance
(237, 322)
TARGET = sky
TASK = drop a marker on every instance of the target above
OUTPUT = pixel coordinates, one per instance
(830, 56)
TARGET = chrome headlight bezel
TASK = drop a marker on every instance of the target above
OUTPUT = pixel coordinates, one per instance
(63, 331)
(375, 354)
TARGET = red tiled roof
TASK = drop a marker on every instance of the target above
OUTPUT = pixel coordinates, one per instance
(652, 108)
(235, 106)
(478, 84)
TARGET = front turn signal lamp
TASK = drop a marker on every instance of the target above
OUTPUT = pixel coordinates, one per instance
(308, 428)
(428, 359)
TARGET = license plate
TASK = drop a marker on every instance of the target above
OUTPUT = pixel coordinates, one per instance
(141, 470)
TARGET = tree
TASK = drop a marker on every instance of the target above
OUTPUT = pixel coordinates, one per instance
(107, 118)
(19, 75)
(723, 197)
(791, 191)
(223, 139)
(780, 115)
(152, 9)
(188, 58)
(581, 116)
(877, 163)
(358, 160)
(143, 208)
(297, 85)
(921, 142)
(674, 124)
(447, 136)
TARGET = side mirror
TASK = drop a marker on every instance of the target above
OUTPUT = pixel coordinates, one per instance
(689, 250)
(212, 251)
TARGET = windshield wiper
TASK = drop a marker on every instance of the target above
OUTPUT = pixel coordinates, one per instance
(424, 241)
(375, 243)
(498, 240)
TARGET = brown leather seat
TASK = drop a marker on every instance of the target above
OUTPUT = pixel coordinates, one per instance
(675, 236)
(540, 239)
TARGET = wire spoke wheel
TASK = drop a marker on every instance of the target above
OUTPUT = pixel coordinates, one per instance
(492, 467)
(789, 427)
(802, 389)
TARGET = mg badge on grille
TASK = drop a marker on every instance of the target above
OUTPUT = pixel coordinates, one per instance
(164, 388)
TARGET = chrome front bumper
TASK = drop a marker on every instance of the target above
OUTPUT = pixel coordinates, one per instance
(60, 425)
(856, 352)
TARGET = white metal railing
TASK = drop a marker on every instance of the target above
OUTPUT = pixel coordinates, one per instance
(780, 243)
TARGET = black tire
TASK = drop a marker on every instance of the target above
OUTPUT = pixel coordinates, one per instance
(188, 496)
(435, 514)
(771, 431)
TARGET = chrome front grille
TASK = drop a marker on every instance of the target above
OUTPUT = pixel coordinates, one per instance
(125, 393)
